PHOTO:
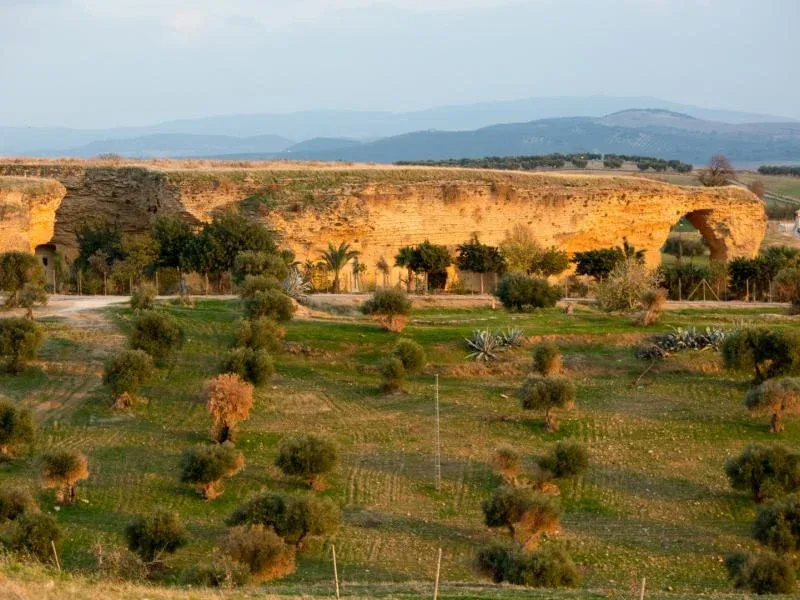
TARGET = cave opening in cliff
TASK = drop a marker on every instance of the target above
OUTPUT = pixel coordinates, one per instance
(46, 253)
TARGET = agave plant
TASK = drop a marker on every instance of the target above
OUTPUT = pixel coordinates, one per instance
(295, 286)
(512, 337)
(681, 339)
(485, 345)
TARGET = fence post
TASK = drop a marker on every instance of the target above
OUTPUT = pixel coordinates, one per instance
(335, 571)
(438, 570)
(438, 441)
(644, 583)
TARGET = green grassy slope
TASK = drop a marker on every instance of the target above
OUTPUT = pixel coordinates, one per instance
(654, 502)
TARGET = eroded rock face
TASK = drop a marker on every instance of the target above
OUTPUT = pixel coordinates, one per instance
(27, 212)
(379, 210)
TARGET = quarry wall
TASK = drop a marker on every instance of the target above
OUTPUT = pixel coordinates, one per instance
(378, 210)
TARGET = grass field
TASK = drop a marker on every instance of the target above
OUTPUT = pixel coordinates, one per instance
(654, 503)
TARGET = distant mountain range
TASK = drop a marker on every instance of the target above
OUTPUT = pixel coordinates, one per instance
(533, 126)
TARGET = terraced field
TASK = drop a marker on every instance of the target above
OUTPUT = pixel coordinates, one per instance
(654, 502)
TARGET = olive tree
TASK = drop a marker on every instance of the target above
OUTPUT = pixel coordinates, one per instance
(15, 502)
(205, 466)
(261, 550)
(777, 397)
(566, 459)
(126, 372)
(20, 340)
(524, 512)
(410, 353)
(390, 307)
(157, 333)
(517, 291)
(768, 352)
(547, 394)
(63, 470)
(762, 573)
(254, 366)
(155, 534)
(228, 400)
(16, 429)
(764, 471)
(547, 359)
(294, 518)
(20, 271)
(34, 534)
(777, 524)
(307, 457)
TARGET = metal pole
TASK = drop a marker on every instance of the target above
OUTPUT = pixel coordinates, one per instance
(335, 571)
(438, 570)
(58, 564)
(437, 441)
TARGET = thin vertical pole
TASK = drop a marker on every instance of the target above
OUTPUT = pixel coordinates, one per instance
(58, 564)
(335, 571)
(437, 441)
(644, 583)
(438, 570)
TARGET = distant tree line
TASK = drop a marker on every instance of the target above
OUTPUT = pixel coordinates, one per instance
(779, 170)
(555, 161)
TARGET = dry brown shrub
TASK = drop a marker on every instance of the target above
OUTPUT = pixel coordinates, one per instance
(228, 400)
(62, 471)
(266, 555)
(124, 401)
(506, 462)
(653, 302)
(395, 324)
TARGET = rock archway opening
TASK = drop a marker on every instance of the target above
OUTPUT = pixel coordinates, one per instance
(695, 239)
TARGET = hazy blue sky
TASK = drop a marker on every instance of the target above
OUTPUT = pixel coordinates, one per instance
(128, 62)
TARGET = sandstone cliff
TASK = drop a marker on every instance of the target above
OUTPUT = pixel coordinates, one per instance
(379, 209)
(27, 212)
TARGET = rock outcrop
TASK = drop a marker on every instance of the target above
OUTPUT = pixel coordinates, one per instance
(380, 209)
(27, 212)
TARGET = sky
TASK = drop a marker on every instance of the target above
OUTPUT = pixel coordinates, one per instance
(104, 63)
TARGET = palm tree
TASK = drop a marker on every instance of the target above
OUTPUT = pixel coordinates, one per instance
(406, 258)
(336, 259)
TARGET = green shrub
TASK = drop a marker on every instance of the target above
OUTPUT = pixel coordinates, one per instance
(16, 429)
(566, 459)
(764, 471)
(410, 353)
(220, 572)
(205, 466)
(763, 573)
(18, 270)
(546, 567)
(494, 560)
(152, 535)
(294, 518)
(547, 394)
(525, 513)
(519, 292)
(34, 534)
(251, 365)
(306, 456)
(547, 359)
(390, 307)
(777, 524)
(259, 264)
(127, 371)
(157, 333)
(393, 373)
(253, 284)
(14, 503)
(143, 297)
(259, 334)
(271, 303)
(261, 550)
(20, 340)
(768, 352)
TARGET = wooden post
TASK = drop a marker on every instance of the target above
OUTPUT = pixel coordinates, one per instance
(437, 441)
(644, 583)
(335, 571)
(53, 546)
(438, 570)
(680, 294)
(156, 282)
